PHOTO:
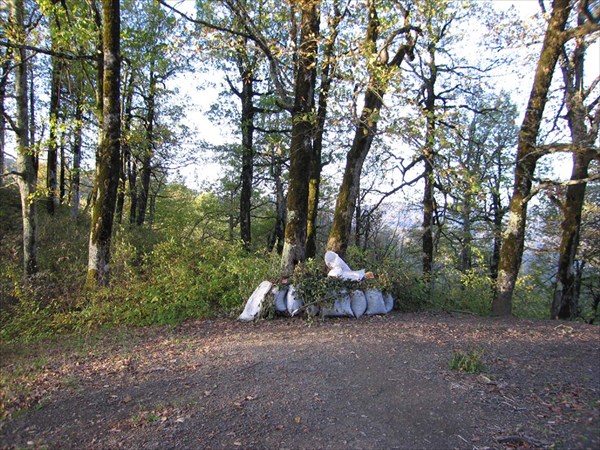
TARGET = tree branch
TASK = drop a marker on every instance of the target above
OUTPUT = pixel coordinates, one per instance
(545, 184)
(69, 56)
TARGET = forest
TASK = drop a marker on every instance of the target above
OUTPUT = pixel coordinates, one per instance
(450, 147)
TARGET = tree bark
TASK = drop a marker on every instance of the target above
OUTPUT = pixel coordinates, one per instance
(276, 237)
(366, 129)
(146, 170)
(77, 141)
(125, 147)
(26, 165)
(316, 164)
(107, 161)
(513, 240)
(5, 69)
(294, 249)
(247, 174)
(52, 162)
(565, 303)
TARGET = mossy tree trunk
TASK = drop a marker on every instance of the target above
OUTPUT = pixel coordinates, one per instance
(565, 303)
(26, 164)
(380, 68)
(513, 240)
(107, 159)
(303, 126)
(316, 166)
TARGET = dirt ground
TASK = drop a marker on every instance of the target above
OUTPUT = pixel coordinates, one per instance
(378, 382)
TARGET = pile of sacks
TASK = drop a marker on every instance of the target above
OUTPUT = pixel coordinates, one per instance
(354, 303)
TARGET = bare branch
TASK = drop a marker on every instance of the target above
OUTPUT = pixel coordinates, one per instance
(546, 184)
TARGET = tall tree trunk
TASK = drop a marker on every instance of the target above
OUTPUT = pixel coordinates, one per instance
(565, 303)
(4, 71)
(125, 147)
(62, 172)
(294, 249)
(52, 163)
(316, 164)
(32, 124)
(345, 205)
(247, 174)
(513, 241)
(77, 141)
(107, 161)
(26, 169)
(276, 237)
(466, 262)
(132, 174)
(366, 129)
(148, 152)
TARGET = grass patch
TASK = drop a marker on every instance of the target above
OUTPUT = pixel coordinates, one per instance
(467, 362)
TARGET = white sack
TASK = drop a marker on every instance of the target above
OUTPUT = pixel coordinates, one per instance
(254, 305)
(388, 300)
(375, 303)
(358, 301)
(339, 269)
(280, 294)
(294, 302)
(341, 307)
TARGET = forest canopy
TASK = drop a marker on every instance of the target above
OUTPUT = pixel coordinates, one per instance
(451, 147)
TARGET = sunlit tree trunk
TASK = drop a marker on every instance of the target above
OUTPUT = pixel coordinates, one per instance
(513, 240)
(26, 166)
(4, 71)
(107, 160)
(294, 248)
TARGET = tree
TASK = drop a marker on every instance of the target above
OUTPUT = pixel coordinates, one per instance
(26, 164)
(381, 68)
(107, 159)
(294, 248)
(583, 118)
(511, 252)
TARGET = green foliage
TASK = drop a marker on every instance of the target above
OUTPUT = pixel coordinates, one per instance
(470, 291)
(158, 276)
(469, 362)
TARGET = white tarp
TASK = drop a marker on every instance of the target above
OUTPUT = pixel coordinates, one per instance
(339, 269)
(254, 305)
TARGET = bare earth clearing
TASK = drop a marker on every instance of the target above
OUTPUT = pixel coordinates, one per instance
(379, 382)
